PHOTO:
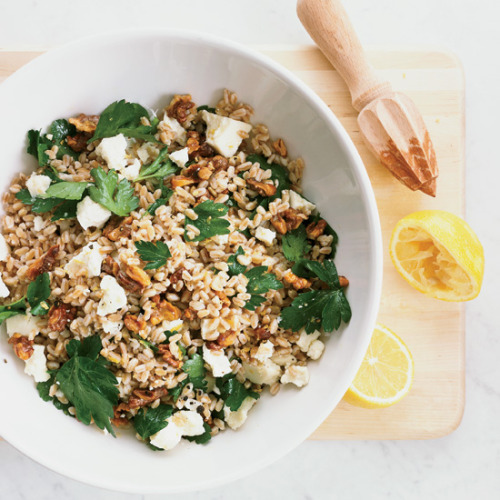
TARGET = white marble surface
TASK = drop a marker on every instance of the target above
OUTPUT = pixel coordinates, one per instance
(460, 466)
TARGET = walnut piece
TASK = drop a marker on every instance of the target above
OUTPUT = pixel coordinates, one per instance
(168, 357)
(78, 142)
(43, 264)
(227, 338)
(110, 266)
(118, 227)
(287, 220)
(134, 279)
(343, 281)
(23, 346)
(165, 311)
(262, 333)
(180, 107)
(279, 147)
(262, 188)
(60, 315)
(85, 123)
(134, 323)
(316, 229)
(142, 398)
(297, 282)
(181, 181)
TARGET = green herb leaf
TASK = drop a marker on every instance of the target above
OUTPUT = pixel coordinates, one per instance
(60, 129)
(154, 253)
(260, 281)
(317, 309)
(201, 438)
(66, 210)
(195, 369)
(329, 231)
(38, 205)
(9, 310)
(115, 196)
(38, 293)
(176, 391)
(123, 117)
(233, 392)
(66, 190)
(88, 385)
(295, 245)
(152, 420)
(161, 167)
(43, 389)
(209, 221)
(146, 343)
(206, 108)
(234, 266)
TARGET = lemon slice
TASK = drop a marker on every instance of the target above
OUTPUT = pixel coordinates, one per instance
(437, 253)
(386, 374)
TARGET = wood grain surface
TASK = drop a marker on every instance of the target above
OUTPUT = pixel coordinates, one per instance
(433, 330)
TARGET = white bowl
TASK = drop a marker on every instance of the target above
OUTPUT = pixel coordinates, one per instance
(148, 67)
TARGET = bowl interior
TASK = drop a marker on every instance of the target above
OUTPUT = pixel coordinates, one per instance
(148, 68)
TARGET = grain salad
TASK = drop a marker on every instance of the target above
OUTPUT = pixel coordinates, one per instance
(159, 271)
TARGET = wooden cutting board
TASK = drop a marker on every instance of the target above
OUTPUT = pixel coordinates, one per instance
(433, 330)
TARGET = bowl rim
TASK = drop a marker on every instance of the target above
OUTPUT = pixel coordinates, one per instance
(374, 229)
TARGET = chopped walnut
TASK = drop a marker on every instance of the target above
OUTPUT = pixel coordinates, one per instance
(279, 224)
(138, 275)
(181, 107)
(219, 162)
(23, 346)
(297, 282)
(177, 276)
(279, 147)
(288, 220)
(262, 333)
(60, 315)
(227, 338)
(85, 123)
(189, 314)
(262, 188)
(128, 283)
(316, 229)
(343, 281)
(168, 357)
(120, 419)
(181, 180)
(118, 227)
(164, 311)
(78, 142)
(43, 264)
(110, 266)
(134, 323)
(144, 397)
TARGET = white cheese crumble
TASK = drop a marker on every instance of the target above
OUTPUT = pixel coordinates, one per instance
(264, 373)
(316, 349)
(36, 364)
(306, 339)
(38, 223)
(180, 134)
(265, 351)
(4, 291)
(38, 184)
(91, 214)
(113, 150)
(173, 325)
(208, 326)
(114, 297)
(181, 423)
(86, 263)
(299, 203)
(147, 152)
(265, 235)
(180, 157)
(218, 362)
(24, 324)
(235, 419)
(223, 133)
(4, 249)
(112, 327)
(298, 375)
(130, 171)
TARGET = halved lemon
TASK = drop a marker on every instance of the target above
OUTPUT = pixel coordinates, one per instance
(438, 253)
(386, 374)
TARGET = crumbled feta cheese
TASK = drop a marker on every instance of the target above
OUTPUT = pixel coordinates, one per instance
(218, 362)
(36, 364)
(38, 223)
(38, 184)
(180, 157)
(112, 327)
(131, 171)
(180, 134)
(146, 152)
(265, 235)
(299, 203)
(4, 249)
(86, 263)
(113, 150)
(114, 297)
(265, 351)
(264, 373)
(4, 291)
(316, 349)
(235, 419)
(181, 423)
(174, 325)
(306, 339)
(91, 214)
(223, 133)
(284, 359)
(298, 375)
(24, 324)
(208, 326)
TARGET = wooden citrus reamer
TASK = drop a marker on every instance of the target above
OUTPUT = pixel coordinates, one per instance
(389, 121)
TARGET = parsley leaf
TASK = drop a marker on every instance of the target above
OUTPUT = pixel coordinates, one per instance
(66, 190)
(209, 221)
(278, 173)
(88, 385)
(260, 281)
(195, 369)
(329, 231)
(38, 293)
(154, 253)
(201, 438)
(43, 389)
(159, 202)
(9, 310)
(295, 244)
(38, 205)
(317, 309)
(152, 420)
(206, 108)
(233, 392)
(159, 168)
(66, 210)
(115, 196)
(146, 343)
(234, 266)
(176, 391)
(122, 117)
